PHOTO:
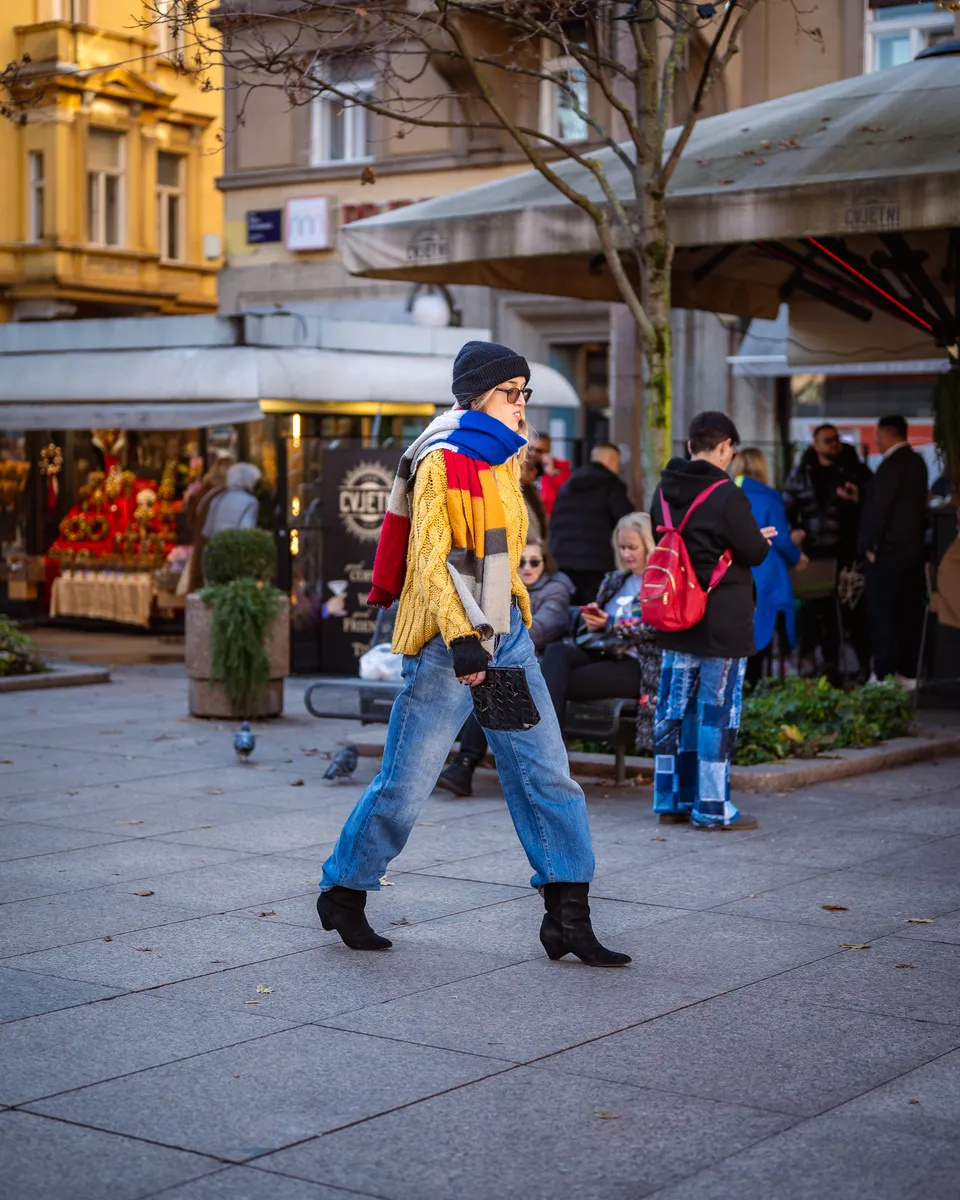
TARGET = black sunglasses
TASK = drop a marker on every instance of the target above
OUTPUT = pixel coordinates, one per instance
(514, 394)
(531, 562)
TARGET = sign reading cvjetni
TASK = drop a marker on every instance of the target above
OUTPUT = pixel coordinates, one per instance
(308, 223)
(356, 488)
(264, 225)
(429, 245)
(872, 206)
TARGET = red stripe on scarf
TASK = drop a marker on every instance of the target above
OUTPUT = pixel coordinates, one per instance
(390, 561)
(463, 473)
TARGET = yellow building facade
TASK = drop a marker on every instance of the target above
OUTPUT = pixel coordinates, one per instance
(108, 202)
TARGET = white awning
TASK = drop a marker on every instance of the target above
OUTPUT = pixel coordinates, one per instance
(127, 416)
(170, 388)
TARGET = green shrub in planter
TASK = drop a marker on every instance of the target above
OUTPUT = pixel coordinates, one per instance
(239, 554)
(236, 564)
(18, 654)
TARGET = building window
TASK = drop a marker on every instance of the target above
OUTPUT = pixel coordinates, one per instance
(563, 102)
(169, 26)
(170, 205)
(77, 12)
(340, 130)
(35, 196)
(896, 33)
(105, 187)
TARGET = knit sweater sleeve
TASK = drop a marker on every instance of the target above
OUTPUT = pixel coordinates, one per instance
(431, 542)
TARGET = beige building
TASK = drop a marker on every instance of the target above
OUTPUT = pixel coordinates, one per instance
(292, 175)
(109, 206)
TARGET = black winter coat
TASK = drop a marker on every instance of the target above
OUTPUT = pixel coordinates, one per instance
(832, 525)
(723, 522)
(585, 512)
(895, 514)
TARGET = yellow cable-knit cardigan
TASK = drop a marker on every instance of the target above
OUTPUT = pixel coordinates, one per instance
(428, 603)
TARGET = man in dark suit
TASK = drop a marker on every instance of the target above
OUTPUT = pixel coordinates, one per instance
(892, 538)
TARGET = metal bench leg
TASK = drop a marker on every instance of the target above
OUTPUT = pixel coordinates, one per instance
(621, 762)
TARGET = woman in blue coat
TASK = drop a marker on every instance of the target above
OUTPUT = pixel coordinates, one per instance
(772, 578)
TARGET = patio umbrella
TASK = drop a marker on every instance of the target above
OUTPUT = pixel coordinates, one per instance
(848, 194)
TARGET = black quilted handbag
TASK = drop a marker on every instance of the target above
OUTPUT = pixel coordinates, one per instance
(503, 702)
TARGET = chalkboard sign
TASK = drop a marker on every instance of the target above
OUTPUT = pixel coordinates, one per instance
(264, 225)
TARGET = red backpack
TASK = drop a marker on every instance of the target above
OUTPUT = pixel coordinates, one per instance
(671, 597)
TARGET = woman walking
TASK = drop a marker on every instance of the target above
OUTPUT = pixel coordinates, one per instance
(449, 549)
(775, 605)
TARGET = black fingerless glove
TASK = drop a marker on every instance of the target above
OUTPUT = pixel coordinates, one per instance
(469, 656)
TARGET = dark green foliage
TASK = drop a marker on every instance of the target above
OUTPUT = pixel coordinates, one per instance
(946, 422)
(800, 718)
(18, 654)
(804, 717)
(239, 554)
(242, 612)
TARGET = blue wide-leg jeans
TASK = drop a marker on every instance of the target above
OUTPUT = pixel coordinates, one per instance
(548, 808)
(695, 732)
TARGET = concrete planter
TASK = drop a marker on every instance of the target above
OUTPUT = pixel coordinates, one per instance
(208, 699)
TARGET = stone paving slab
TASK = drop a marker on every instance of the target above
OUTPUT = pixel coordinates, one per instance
(27, 993)
(254, 1097)
(51, 1160)
(553, 1143)
(155, 1031)
(780, 1056)
(252, 1184)
(22, 840)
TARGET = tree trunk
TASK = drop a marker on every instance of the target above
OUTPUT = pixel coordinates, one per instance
(657, 385)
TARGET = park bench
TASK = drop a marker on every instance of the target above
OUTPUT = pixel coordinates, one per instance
(611, 721)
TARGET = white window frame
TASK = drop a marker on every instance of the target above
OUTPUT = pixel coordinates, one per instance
(550, 93)
(170, 43)
(97, 215)
(917, 26)
(327, 108)
(165, 192)
(36, 185)
(76, 12)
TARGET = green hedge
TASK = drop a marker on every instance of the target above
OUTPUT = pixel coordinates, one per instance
(239, 554)
(18, 654)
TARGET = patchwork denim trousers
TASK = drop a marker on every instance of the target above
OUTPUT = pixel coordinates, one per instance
(547, 806)
(695, 732)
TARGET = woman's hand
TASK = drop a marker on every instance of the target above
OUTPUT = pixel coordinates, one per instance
(769, 532)
(469, 660)
(798, 536)
(594, 621)
(472, 680)
(802, 563)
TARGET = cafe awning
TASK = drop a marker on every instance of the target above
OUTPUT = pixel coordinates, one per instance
(867, 159)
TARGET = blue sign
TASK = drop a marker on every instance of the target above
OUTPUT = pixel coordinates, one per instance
(264, 225)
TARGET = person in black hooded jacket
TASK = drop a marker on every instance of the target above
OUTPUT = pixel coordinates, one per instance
(585, 514)
(701, 680)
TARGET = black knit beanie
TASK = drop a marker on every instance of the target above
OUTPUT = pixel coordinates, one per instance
(480, 366)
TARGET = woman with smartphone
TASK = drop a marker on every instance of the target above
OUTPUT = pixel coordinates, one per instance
(449, 549)
(613, 654)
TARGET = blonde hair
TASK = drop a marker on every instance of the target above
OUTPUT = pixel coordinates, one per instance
(638, 523)
(751, 463)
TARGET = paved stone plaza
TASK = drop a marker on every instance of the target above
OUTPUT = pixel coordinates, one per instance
(177, 1024)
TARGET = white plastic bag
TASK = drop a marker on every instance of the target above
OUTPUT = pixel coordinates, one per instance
(381, 663)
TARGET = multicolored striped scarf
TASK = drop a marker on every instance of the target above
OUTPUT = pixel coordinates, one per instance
(478, 562)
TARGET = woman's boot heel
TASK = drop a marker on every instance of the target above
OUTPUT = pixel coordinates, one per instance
(551, 938)
(341, 909)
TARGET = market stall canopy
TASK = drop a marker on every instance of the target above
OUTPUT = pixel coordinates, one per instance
(139, 374)
(867, 159)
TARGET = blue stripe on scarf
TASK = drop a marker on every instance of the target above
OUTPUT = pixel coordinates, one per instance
(485, 438)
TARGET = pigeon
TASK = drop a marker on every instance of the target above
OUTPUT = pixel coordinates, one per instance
(244, 742)
(343, 764)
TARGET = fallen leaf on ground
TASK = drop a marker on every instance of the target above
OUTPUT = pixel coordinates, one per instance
(658, 839)
(143, 949)
(6, 762)
(919, 921)
(751, 895)
(236, 1076)
(264, 991)
(311, 752)
(251, 1001)
(213, 791)
(297, 783)
(913, 1100)
(135, 821)
(143, 893)
(271, 913)
(402, 921)
(206, 826)
(288, 760)
(834, 908)
(385, 882)
(903, 966)
(603, 1115)
(854, 946)
(108, 939)
(428, 822)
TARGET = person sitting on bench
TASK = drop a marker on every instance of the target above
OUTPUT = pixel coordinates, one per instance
(551, 594)
(613, 653)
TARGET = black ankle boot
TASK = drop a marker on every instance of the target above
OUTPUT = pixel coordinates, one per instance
(458, 776)
(341, 909)
(566, 927)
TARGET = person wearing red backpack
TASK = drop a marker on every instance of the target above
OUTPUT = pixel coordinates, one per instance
(698, 592)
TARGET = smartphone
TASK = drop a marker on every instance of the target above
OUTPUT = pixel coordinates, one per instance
(590, 608)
